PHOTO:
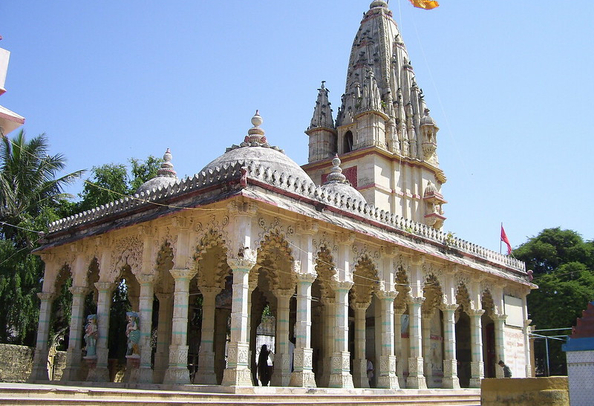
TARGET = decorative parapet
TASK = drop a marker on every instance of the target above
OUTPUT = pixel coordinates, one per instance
(244, 172)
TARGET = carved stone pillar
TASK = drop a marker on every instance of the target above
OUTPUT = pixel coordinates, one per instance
(177, 372)
(499, 320)
(100, 372)
(163, 336)
(39, 371)
(282, 361)
(400, 362)
(360, 362)
(416, 379)
(147, 298)
(476, 343)
(329, 326)
(206, 356)
(427, 365)
(387, 361)
(74, 354)
(238, 371)
(303, 375)
(340, 375)
(450, 364)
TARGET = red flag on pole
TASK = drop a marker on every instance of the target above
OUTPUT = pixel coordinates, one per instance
(505, 240)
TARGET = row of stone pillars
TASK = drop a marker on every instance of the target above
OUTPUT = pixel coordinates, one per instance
(172, 349)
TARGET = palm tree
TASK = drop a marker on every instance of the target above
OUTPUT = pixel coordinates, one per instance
(28, 183)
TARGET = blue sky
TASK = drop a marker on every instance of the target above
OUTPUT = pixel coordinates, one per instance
(509, 85)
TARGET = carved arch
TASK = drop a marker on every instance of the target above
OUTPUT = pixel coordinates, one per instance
(366, 280)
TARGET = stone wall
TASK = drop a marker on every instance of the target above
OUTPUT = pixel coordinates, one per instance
(16, 362)
(551, 391)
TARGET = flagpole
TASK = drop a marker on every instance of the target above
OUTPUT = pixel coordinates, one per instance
(500, 237)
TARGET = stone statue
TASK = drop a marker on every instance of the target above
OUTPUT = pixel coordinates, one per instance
(91, 336)
(133, 334)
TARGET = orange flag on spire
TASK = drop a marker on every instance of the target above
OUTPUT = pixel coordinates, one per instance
(424, 4)
(506, 240)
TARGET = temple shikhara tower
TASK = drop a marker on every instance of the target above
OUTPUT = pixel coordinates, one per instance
(336, 265)
(383, 131)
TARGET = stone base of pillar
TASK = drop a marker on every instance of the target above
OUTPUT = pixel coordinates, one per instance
(450, 375)
(205, 374)
(177, 375)
(39, 371)
(96, 374)
(415, 379)
(132, 373)
(360, 379)
(388, 382)
(240, 376)
(476, 374)
(72, 372)
(145, 374)
(282, 371)
(387, 373)
(340, 377)
(303, 379)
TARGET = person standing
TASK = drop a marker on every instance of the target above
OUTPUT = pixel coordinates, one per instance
(506, 371)
(263, 369)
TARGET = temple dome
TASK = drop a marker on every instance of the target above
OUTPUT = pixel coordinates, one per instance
(166, 176)
(255, 149)
(336, 182)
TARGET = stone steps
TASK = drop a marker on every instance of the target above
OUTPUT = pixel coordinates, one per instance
(37, 394)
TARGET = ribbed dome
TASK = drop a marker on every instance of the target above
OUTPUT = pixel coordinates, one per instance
(337, 183)
(166, 176)
(255, 149)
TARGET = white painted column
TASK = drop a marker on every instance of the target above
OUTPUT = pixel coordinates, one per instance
(416, 379)
(146, 301)
(282, 364)
(177, 372)
(74, 353)
(386, 370)
(329, 327)
(499, 321)
(163, 336)
(360, 362)
(400, 361)
(101, 373)
(476, 345)
(303, 375)
(450, 364)
(238, 371)
(39, 372)
(206, 374)
(427, 366)
(340, 375)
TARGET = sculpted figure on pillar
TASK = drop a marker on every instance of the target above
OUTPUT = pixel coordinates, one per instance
(133, 334)
(91, 333)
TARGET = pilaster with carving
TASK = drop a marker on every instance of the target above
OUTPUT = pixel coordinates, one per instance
(163, 336)
(206, 373)
(450, 365)
(74, 354)
(387, 361)
(39, 372)
(416, 379)
(177, 372)
(476, 344)
(101, 373)
(499, 321)
(303, 375)
(360, 362)
(145, 372)
(340, 375)
(238, 371)
(282, 358)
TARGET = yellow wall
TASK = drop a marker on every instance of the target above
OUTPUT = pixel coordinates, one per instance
(551, 391)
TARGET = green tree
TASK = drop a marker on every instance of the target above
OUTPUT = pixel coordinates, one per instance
(31, 196)
(563, 270)
(111, 182)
